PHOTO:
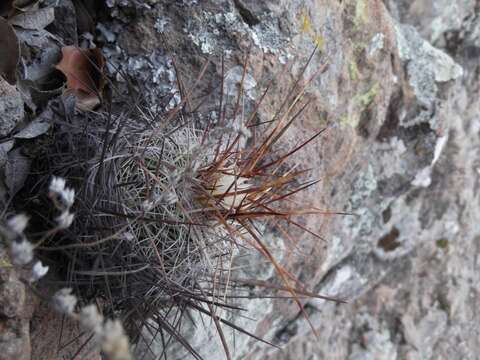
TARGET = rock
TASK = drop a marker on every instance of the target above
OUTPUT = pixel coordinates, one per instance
(434, 18)
(12, 289)
(15, 314)
(48, 343)
(426, 66)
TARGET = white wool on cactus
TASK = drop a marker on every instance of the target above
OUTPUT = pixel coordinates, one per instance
(115, 343)
(57, 185)
(18, 223)
(21, 252)
(64, 220)
(91, 319)
(38, 271)
(64, 302)
(63, 197)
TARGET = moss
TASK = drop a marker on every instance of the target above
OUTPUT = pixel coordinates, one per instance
(442, 243)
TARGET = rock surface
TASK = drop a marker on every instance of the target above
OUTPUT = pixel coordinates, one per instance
(15, 312)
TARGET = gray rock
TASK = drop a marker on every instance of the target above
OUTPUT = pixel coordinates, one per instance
(14, 314)
(426, 66)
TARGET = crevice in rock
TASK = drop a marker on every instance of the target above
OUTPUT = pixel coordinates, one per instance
(290, 329)
(247, 15)
(389, 127)
(389, 241)
(387, 214)
(394, 186)
(365, 119)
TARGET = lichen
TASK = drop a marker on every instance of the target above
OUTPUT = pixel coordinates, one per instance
(348, 121)
(361, 13)
(307, 29)
(364, 100)
(353, 70)
(377, 43)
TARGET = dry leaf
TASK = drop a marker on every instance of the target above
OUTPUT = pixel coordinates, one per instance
(17, 168)
(9, 52)
(37, 127)
(11, 107)
(24, 4)
(5, 147)
(83, 69)
(34, 20)
(9, 8)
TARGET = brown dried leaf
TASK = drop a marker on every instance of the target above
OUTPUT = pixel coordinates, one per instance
(9, 52)
(83, 69)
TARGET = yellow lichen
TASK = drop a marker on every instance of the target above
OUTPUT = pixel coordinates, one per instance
(5, 263)
(361, 12)
(306, 28)
(318, 40)
(348, 121)
(367, 98)
(353, 70)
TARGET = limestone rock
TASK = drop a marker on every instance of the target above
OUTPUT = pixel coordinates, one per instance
(14, 314)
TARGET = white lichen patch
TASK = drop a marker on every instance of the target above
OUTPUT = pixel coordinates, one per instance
(423, 177)
(377, 43)
(212, 33)
(204, 41)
